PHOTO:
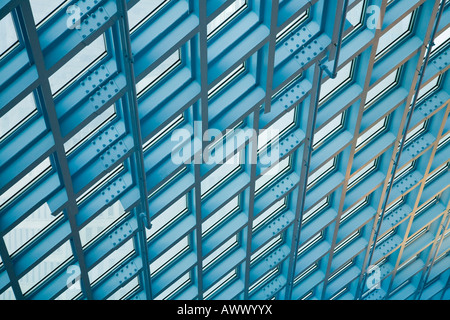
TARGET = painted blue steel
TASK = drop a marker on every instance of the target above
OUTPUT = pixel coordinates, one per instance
(405, 131)
(335, 60)
(280, 76)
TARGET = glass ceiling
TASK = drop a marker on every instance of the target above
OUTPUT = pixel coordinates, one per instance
(178, 149)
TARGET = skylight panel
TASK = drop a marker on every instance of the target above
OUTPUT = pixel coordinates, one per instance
(331, 86)
(163, 132)
(428, 88)
(416, 132)
(341, 270)
(90, 129)
(398, 32)
(107, 264)
(266, 248)
(221, 215)
(125, 290)
(347, 241)
(263, 279)
(322, 171)
(220, 284)
(74, 68)
(174, 288)
(103, 181)
(417, 235)
(444, 139)
(42, 10)
(30, 228)
(158, 73)
(142, 11)
(393, 205)
(170, 255)
(329, 129)
(8, 35)
(314, 211)
(427, 205)
(310, 243)
(406, 169)
(356, 15)
(107, 220)
(277, 129)
(305, 273)
(264, 217)
(168, 217)
(441, 41)
(27, 181)
(225, 171)
(272, 174)
(17, 116)
(297, 22)
(382, 87)
(46, 267)
(226, 80)
(225, 17)
(372, 133)
(8, 294)
(354, 209)
(364, 172)
(220, 252)
(437, 172)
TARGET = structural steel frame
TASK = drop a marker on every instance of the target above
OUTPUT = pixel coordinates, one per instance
(325, 238)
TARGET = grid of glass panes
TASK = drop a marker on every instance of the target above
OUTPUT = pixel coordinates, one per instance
(63, 215)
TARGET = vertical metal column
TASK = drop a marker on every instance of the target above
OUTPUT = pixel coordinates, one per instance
(29, 32)
(137, 159)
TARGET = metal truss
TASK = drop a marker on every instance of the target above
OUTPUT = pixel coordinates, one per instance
(355, 207)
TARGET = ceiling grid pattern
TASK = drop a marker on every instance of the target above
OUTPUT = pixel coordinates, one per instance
(356, 206)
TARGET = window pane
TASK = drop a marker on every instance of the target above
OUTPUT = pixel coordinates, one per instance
(142, 11)
(397, 32)
(75, 66)
(45, 267)
(30, 228)
(332, 85)
(159, 72)
(18, 115)
(41, 9)
(25, 182)
(8, 294)
(169, 255)
(110, 261)
(220, 174)
(166, 218)
(225, 16)
(382, 87)
(174, 287)
(90, 129)
(102, 222)
(221, 214)
(8, 35)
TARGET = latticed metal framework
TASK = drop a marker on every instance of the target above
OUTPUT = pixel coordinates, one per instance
(356, 207)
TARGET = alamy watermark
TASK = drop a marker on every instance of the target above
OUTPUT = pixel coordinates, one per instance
(187, 147)
(73, 278)
(373, 277)
(373, 21)
(73, 21)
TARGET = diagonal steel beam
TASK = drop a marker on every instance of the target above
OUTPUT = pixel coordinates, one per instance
(366, 85)
(31, 38)
(137, 160)
(309, 139)
(272, 43)
(402, 144)
(305, 163)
